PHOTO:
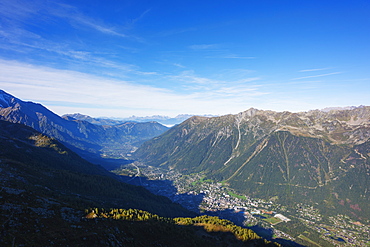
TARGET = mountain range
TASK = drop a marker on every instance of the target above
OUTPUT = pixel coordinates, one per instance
(165, 120)
(315, 157)
(50, 196)
(91, 141)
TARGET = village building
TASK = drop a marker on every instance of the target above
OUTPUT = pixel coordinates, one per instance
(282, 217)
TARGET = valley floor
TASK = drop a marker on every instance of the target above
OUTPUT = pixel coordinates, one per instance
(302, 224)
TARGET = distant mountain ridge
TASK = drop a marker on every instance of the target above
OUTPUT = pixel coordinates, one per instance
(165, 120)
(313, 157)
(89, 140)
(97, 121)
(327, 109)
(168, 121)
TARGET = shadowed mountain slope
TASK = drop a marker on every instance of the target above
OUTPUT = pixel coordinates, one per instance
(36, 162)
(45, 188)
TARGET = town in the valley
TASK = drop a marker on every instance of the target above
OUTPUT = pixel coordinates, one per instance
(270, 218)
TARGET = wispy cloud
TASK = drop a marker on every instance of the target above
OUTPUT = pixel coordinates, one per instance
(19, 21)
(310, 70)
(66, 91)
(65, 52)
(189, 76)
(132, 22)
(74, 88)
(218, 89)
(179, 65)
(72, 15)
(17, 11)
(83, 20)
(24, 13)
(313, 76)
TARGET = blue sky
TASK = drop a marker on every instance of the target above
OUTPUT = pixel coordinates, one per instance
(164, 57)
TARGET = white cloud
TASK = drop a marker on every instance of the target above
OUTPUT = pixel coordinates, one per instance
(66, 91)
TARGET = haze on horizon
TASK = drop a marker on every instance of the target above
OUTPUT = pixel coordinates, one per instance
(123, 58)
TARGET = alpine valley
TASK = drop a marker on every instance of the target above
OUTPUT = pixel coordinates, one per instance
(50, 196)
(295, 179)
(94, 142)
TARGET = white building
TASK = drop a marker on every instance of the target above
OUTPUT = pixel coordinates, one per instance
(282, 217)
